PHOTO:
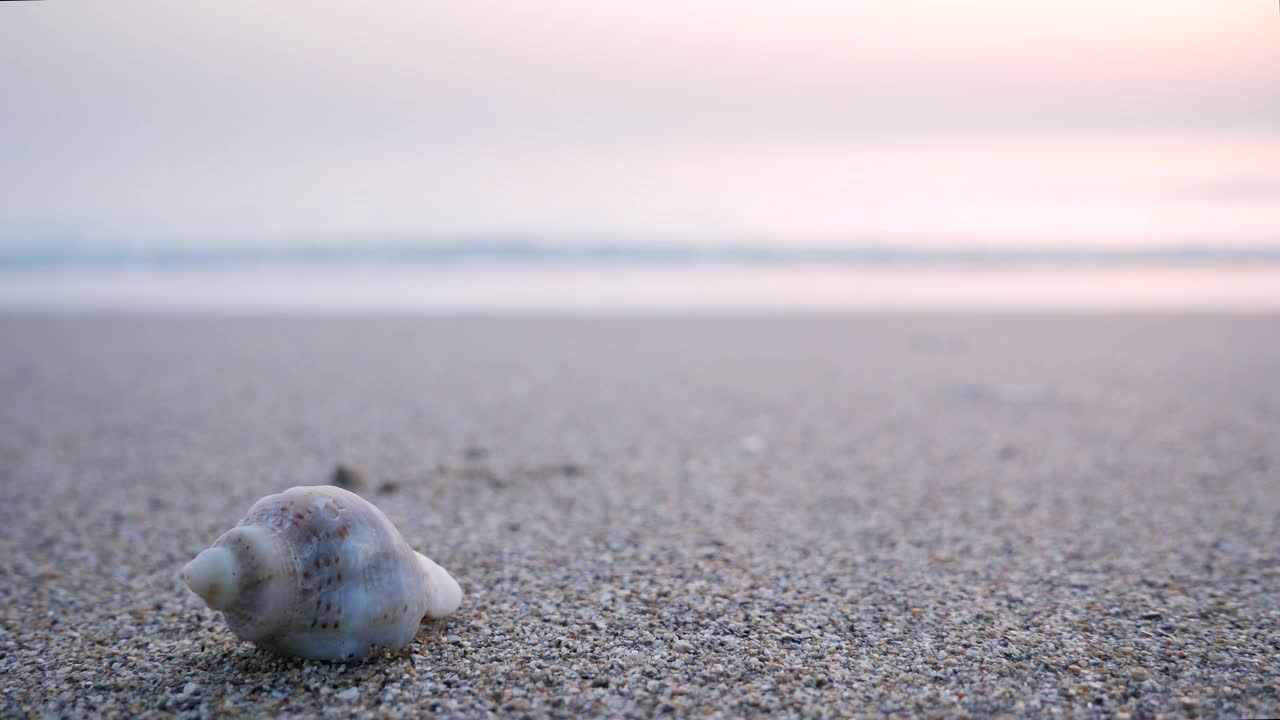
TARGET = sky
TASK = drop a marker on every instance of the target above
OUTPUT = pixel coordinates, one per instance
(817, 121)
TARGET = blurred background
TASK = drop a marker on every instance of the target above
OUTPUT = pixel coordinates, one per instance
(583, 156)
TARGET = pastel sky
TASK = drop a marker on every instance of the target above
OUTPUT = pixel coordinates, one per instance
(907, 120)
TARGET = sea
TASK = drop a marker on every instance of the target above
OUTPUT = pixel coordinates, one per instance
(1136, 223)
(537, 276)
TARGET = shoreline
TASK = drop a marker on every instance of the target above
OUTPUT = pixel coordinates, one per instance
(639, 290)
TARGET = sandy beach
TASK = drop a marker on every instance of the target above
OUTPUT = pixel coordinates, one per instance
(818, 515)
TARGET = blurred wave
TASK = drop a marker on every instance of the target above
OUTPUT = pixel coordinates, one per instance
(533, 253)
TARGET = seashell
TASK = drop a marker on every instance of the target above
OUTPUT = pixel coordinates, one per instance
(319, 572)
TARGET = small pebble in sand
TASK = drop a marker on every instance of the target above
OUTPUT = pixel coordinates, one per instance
(348, 477)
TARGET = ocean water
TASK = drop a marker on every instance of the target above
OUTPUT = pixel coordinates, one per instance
(1084, 223)
(632, 287)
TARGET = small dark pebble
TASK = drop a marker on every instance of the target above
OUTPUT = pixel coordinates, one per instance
(389, 486)
(348, 477)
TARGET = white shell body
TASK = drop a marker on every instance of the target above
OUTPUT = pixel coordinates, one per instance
(319, 572)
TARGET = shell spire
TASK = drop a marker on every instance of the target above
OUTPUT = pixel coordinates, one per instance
(319, 572)
(212, 576)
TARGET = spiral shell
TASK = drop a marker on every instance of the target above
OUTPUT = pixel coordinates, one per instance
(319, 572)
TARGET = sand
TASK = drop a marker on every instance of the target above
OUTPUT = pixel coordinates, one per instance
(942, 516)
